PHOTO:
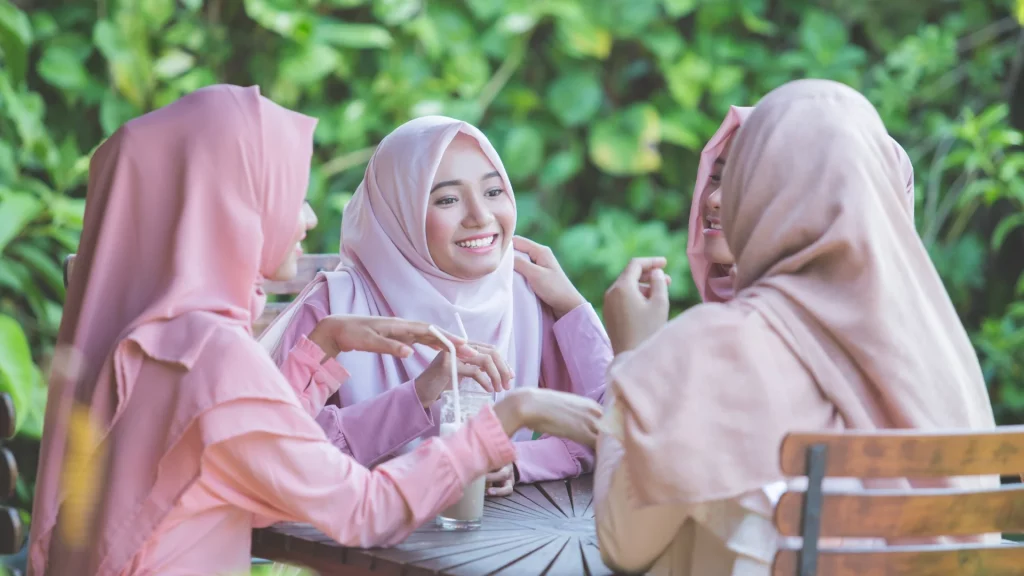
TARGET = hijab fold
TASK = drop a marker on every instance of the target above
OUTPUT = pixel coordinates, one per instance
(188, 208)
(832, 282)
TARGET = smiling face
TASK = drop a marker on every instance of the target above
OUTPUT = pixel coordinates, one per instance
(470, 215)
(290, 267)
(716, 250)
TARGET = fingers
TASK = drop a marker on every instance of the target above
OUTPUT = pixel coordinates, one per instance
(505, 374)
(500, 476)
(539, 253)
(467, 370)
(528, 269)
(504, 489)
(485, 363)
(412, 332)
(659, 286)
(637, 266)
(645, 277)
(381, 345)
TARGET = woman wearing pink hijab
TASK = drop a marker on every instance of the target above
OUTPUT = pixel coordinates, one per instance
(172, 434)
(710, 258)
(836, 323)
(429, 234)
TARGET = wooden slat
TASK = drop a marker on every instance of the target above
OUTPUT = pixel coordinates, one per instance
(909, 513)
(910, 453)
(11, 531)
(8, 474)
(995, 560)
(309, 265)
(7, 416)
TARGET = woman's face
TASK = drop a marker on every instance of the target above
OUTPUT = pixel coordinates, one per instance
(716, 250)
(470, 215)
(290, 267)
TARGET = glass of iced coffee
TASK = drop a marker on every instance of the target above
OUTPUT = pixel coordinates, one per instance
(467, 513)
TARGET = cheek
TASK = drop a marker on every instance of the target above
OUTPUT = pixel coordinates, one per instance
(505, 214)
(440, 228)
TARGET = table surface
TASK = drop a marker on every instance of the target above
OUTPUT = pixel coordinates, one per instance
(545, 528)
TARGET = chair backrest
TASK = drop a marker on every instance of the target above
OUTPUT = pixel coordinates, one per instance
(309, 266)
(11, 529)
(901, 514)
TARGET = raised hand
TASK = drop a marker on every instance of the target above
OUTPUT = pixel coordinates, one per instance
(539, 266)
(480, 362)
(636, 305)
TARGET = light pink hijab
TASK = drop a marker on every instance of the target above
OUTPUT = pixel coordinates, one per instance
(712, 280)
(830, 269)
(387, 270)
(188, 207)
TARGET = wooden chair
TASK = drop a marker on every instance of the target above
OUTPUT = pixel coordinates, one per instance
(901, 514)
(11, 529)
(309, 266)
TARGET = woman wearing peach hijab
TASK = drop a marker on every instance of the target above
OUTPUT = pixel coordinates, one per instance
(172, 434)
(428, 235)
(836, 323)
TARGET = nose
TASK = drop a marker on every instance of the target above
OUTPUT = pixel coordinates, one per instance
(478, 214)
(309, 217)
(714, 201)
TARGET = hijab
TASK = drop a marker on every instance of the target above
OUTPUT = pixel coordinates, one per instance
(712, 280)
(187, 209)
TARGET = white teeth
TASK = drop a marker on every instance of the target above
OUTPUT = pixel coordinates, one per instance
(478, 243)
(716, 226)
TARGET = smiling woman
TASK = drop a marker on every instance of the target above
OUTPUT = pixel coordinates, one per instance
(429, 234)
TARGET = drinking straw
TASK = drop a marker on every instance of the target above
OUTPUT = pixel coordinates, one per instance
(455, 372)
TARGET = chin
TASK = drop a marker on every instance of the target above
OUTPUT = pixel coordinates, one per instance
(285, 273)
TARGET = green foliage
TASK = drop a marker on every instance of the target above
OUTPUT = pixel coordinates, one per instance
(598, 107)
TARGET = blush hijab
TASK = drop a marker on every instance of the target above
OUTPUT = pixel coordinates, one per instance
(712, 280)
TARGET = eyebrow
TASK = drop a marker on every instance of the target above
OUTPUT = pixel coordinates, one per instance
(719, 161)
(444, 183)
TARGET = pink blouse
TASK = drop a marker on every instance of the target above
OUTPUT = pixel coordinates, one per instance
(575, 357)
(256, 480)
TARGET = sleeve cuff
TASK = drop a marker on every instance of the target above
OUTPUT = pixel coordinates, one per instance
(311, 354)
(480, 446)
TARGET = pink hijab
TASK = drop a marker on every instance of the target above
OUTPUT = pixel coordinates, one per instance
(188, 207)
(712, 280)
(838, 278)
(387, 270)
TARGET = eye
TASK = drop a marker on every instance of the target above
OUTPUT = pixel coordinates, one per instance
(494, 192)
(446, 201)
(716, 178)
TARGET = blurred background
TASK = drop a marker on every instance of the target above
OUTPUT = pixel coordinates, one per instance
(598, 108)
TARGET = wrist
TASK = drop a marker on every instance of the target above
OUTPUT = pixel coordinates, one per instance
(568, 306)
(321, 337)
(513, 411)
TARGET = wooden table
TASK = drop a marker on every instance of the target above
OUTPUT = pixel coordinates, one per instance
(545, 528)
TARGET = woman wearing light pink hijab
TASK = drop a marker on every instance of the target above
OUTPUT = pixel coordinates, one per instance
(428, 235)
(706, 248)
(173, 433)
(839, 321)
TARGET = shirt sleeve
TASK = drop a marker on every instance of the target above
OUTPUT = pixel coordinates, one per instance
(313, 382)
(631, 537)
(575, 358)
(374, 429)
(293, 478)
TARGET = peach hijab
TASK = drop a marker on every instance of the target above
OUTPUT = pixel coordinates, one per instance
(829, 265)
(712, 280)
(187, 208)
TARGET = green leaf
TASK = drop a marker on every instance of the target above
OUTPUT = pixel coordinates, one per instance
(173, 63)
(679, 8)
(626, 142)
(348, 35)
(44, 265)
(309, 64)
(63, 68)
(1006, 225)
(575, 97)
(290, 23)
(561, 168)
(15, 40)
(17, 210)
(582, 39)
(157, 13)
(18, 374)
(114, 112)
(523, 151)
(687, 79)
(394, 12)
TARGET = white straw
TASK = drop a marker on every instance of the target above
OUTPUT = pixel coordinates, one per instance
(455, 373)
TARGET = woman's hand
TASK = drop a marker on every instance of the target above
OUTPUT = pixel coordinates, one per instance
(501, 481)
(549, 412)
(480, 362)
(636, 305)
(546, 277)
(394, 336)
